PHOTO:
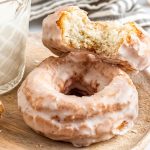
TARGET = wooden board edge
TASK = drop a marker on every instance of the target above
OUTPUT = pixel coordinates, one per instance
(143, 143)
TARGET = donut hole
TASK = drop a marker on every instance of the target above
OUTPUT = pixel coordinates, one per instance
(78, 88)
(82, 74)
(77, 92)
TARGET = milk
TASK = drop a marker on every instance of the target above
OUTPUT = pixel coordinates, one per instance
(14, 20)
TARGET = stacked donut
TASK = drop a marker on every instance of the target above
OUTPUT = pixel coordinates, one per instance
(83, 96)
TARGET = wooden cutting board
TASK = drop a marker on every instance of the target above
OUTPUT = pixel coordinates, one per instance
(15, 134)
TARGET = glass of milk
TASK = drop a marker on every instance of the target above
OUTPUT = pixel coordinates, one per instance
(14, 25)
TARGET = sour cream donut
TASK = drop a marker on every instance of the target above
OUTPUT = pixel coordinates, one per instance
(79, 99)
(69, 29)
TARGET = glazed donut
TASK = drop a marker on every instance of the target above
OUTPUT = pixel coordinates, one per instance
(79, 99)
(69, 29)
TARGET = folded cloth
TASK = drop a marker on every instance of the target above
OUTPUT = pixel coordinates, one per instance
(122, 10)
(36, 1)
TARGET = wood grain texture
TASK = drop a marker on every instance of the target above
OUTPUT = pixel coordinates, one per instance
(15, 134)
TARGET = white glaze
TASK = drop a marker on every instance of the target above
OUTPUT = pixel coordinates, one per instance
(41, 82)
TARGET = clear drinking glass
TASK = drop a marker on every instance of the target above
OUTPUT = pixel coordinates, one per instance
(14, 25)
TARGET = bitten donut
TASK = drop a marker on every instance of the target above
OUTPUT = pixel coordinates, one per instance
(79, 99)
(69, 29)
